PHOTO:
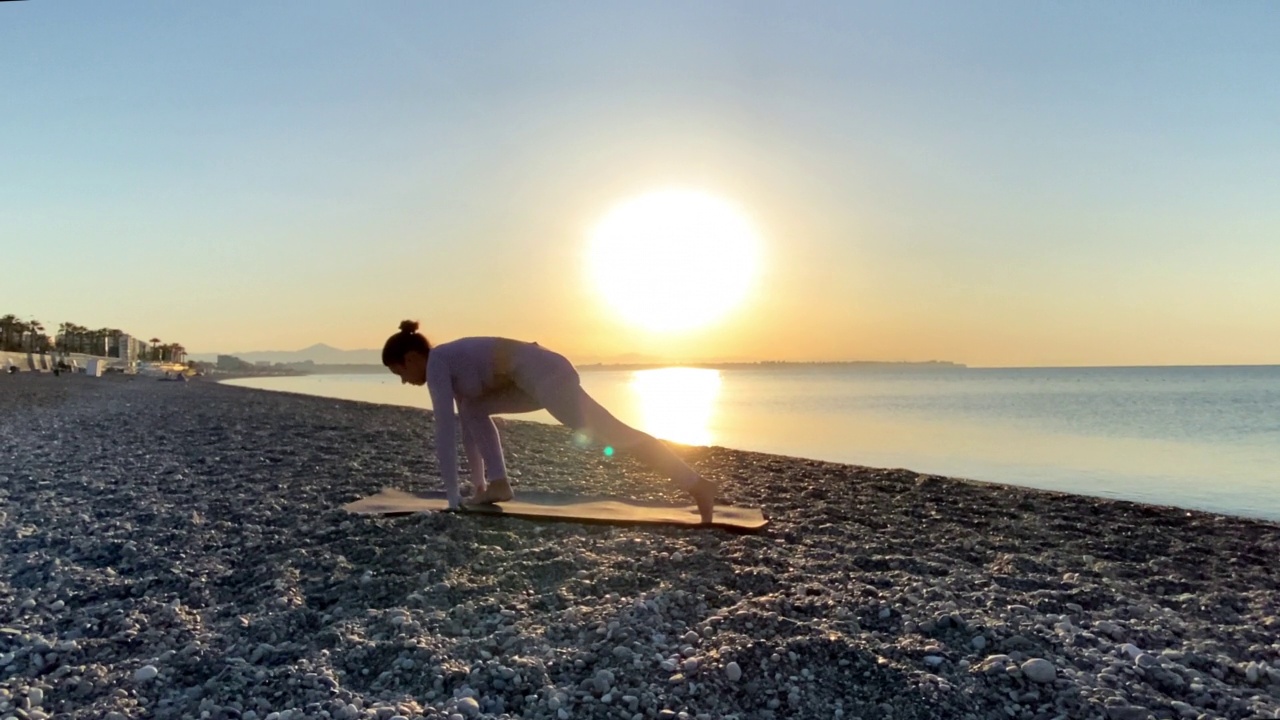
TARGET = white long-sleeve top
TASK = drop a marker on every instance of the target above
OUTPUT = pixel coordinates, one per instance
(474, 370)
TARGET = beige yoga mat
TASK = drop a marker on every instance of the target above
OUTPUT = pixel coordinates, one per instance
(550, 506)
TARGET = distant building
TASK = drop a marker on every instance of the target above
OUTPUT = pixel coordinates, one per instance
(129, 348)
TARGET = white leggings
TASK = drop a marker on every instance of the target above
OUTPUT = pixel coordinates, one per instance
(542, 379)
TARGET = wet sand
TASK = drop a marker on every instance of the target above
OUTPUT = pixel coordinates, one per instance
(178, 550)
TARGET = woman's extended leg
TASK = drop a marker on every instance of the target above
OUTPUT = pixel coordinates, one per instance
(567, 402)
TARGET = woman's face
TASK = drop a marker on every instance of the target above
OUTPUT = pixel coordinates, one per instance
(414, 369)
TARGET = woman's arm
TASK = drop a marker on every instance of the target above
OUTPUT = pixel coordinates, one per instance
(440, 385)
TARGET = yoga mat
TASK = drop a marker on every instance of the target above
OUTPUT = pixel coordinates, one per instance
(549, 506)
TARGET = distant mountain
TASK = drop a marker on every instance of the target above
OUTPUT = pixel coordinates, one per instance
(318, 353)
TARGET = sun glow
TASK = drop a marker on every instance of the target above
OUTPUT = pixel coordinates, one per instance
(674, 260)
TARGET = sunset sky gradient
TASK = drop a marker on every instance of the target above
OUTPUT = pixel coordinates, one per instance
(993, 183)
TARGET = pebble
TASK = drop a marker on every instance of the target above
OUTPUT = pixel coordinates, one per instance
(35, 695)
(993, 662)
(733, 671)
(146, 673)
(469, 707)
(1110, 629)
(603, 681)
(1039, 670)
(1127, 712)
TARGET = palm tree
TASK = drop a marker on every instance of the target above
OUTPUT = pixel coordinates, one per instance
(15, 334)
(73, 338)
(36, 342)
(7, 324)
(82, 340)
(21, 328)
(155, 348)
(17, 339)
(173, 352)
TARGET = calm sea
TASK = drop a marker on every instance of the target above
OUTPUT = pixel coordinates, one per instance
(1195, 437)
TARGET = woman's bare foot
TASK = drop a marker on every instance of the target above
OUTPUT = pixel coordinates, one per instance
(495, 492)
(704, 494)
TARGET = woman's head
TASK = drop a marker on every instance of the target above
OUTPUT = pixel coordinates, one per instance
(405, 354)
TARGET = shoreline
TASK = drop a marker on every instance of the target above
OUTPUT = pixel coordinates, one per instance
(178, 548)
(1133, 495)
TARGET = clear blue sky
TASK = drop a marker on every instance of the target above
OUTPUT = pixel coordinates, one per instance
(988, 182)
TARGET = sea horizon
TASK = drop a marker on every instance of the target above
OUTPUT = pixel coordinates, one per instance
(939, 364)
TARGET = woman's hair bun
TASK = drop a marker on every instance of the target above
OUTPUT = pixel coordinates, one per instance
(409, 327)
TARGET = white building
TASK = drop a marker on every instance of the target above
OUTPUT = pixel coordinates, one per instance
(130, 348)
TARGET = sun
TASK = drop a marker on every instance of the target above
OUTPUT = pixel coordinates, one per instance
(673, 260)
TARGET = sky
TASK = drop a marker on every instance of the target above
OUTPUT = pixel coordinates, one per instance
(991, 183)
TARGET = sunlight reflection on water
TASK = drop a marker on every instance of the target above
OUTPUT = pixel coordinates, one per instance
(677, 404)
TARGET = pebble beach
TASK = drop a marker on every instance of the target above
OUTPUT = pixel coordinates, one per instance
(179, 550)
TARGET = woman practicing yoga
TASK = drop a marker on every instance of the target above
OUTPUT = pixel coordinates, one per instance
(487, 376)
